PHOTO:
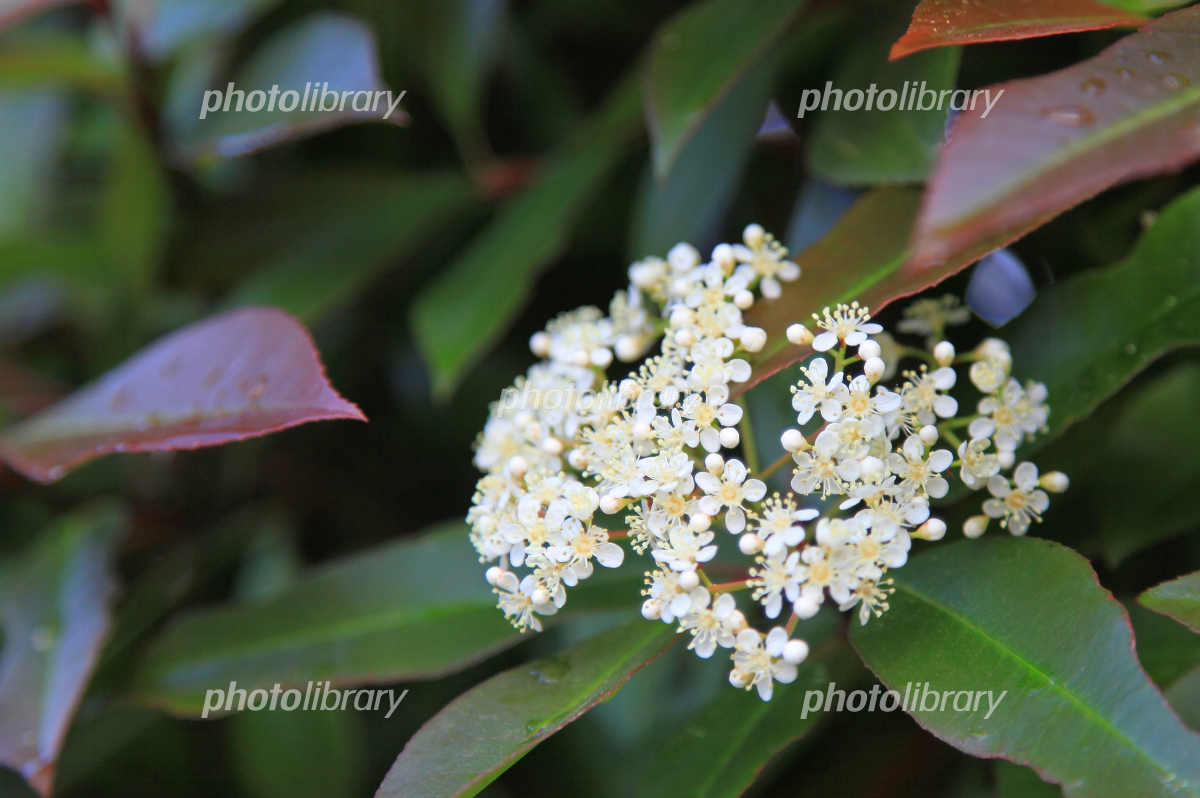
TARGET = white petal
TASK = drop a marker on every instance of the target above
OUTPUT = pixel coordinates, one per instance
(738, 370)
(735, 519)
(1025, 475)
(729, 414)
(825, 341)
(940, 460)
(776, 639)
(707, 482)
(754, 490)
(610, 555)
(945, 406)
(735, 471)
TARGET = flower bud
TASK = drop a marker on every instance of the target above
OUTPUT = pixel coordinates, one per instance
(753, 235)
(975, 526)
(610, 505)
(874, 368)
(750, 543)
(651, 609)
(754, 339)
(933, 529)
(723, 256)
(943, 353)
(689, 580)
(539, 344)
(795, 651)
(729, 437)
(1055, 481)
(793, 440)
(714, 463)
(799, 335)
(928, 434)
(869, 348)
(743, 299)
(699, 522)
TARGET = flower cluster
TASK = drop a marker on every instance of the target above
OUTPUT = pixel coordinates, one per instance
(575, 462)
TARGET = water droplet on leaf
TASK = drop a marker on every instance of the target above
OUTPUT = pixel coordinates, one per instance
(1070, 115)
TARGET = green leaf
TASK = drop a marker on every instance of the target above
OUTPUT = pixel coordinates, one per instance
(406, 610)
(298, 754)
(1014, 781)
(1086, 337)
(55, 616)
(1053, 141)
(700, 55)
(487, 729)
(331, 259)
(684, 204)
(454, 43)
(1178, 599)
(1149, 429)
(458, 316)
(32, 128)
(893, 146)
(864, 257)
(51, 61)
(1165, 648)
(724, 746)
(295, 59)
(1027, 616)
(136, 211)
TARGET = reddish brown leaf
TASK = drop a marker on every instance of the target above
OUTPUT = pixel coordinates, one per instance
(1053, 141)
(239, 375)
(864, 257)
(937, 23)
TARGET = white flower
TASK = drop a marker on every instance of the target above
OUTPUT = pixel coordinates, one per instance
(818, 468)
(1017, 506)
(977, 463)
(778, 524)
(730, 492)
(758, 662)
(850, 324)
(712, 627)
(707, 409)
(768, 259)
(929, 317)
(918, 474)
(1010, 415)
(815, 393)
(924, 400)
(516, 599)
(776, 575)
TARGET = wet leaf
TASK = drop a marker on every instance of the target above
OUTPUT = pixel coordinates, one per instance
(239, 375)
(937, 23)
(1053, 141)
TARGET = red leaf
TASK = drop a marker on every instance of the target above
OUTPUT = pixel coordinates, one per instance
(239, 375)
(865, 258)
(938, 23)
(1053, 141)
